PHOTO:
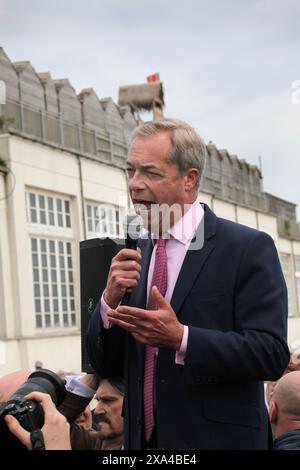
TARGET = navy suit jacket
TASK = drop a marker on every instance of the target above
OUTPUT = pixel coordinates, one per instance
(232, 295)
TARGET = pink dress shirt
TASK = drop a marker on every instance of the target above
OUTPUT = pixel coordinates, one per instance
(179, 238)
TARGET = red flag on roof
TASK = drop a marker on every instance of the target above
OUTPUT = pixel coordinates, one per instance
(153, 78)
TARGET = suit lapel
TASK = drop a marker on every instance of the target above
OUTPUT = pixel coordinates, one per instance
(138, 297)
(195, 259)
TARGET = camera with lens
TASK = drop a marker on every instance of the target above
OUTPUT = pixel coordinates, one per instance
(29, 413)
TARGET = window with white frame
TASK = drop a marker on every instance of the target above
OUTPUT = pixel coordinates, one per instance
(50, 233)
(48, 210)
(286, 264)
(102, 220)
(297, 279)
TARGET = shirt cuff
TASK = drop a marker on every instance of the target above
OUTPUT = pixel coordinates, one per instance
(180, 355)
(74, 385)
(103, 312)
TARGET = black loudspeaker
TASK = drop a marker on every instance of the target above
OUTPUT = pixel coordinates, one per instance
(95, 260)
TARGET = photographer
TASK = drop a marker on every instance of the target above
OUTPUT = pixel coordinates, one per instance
(55, 433)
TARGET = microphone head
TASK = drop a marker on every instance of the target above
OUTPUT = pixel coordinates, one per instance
(132, 225)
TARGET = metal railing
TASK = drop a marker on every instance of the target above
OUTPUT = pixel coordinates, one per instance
(53, 129)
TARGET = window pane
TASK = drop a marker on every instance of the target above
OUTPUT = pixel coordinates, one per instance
(51, 246)
(66, 319)
(46, 290)
(59, 205)
(32, 200)
(68, 221)
(48, 320)
(43, 217)
(73, 318)
(51, 218)
(68, 248)
(50, 203)
(56, 320)
(43, 245)
(35, 275)
(64, 305)
(38, 321)
(67, 207)
(54, 290)
(35, 260)
(36, 290)
(55, 305)
(60, 247)
(45, 275)
(60, 220)
(37, 304)
(33, 217)
(42, 201)
(34, 244)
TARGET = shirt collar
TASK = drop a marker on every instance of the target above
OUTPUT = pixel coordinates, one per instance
(184, 229)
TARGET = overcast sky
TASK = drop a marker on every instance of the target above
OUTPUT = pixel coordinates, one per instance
(227, 65)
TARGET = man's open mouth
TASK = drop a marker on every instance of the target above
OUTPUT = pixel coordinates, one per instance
(142, 204)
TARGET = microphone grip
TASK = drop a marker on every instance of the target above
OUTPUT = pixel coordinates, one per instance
(131, 243)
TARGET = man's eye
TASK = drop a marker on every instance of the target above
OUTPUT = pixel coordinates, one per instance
(153, 175)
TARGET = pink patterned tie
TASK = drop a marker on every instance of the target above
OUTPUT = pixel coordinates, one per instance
(160, 280)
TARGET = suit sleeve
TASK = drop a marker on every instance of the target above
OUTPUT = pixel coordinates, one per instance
(257, 348)
(105, 347)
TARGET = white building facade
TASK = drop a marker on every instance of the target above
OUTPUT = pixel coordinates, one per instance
(62, 180)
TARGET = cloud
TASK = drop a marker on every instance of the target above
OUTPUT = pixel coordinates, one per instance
(227, 66)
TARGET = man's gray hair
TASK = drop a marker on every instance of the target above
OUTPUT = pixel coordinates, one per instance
(188, 148)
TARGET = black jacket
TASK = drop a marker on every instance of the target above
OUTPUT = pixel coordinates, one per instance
(232, 296)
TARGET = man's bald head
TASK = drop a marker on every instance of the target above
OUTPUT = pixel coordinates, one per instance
(10, 383)
(287, 395)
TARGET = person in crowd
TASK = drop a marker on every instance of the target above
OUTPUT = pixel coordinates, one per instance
(293, 365)
(10, 383)
(84, 419)
(109, 394)
(205, 323)
(285, 412)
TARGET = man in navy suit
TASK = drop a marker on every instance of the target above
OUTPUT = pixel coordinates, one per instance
(217, 327)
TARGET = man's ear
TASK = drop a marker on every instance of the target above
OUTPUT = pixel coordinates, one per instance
(191, 178)
(273, 413)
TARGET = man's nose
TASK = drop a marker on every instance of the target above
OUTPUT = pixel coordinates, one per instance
(136, 182)
(100, 410)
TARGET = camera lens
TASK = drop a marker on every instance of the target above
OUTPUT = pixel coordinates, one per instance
(44, 381)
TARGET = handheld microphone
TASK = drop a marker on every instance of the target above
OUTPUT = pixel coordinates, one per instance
(132, 225)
